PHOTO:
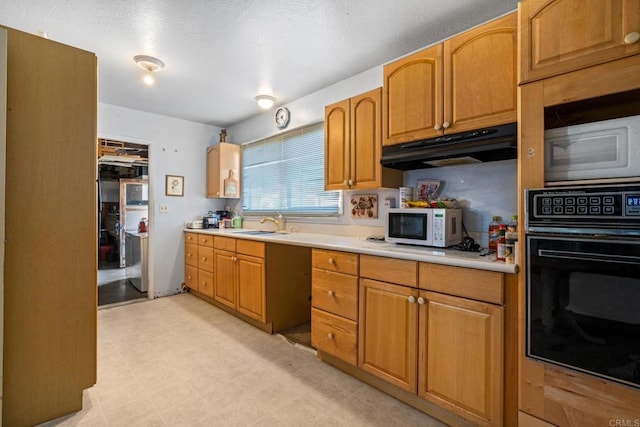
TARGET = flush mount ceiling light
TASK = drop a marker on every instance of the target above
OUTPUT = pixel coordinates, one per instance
(265, 101)
(150, 64)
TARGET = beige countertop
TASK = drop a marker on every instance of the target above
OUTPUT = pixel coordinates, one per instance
(363, 246)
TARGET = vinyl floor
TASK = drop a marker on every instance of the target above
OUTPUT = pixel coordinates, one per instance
(179, 361)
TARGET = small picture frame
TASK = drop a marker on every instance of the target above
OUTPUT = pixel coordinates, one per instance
(175, 185)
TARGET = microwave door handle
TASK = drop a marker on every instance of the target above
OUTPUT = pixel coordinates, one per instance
(587, 256)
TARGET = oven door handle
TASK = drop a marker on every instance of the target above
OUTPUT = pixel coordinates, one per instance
(587, 256)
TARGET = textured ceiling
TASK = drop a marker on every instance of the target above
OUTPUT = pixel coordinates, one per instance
(220, 54)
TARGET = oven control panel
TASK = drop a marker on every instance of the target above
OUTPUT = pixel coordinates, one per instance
(605, 207)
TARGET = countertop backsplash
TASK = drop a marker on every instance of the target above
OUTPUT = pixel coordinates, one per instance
(482, 191)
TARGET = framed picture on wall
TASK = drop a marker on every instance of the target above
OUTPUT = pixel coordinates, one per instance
(175, 185)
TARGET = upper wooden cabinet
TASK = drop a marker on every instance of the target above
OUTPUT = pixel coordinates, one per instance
(353, 145)
(468, 82)
(223, 170)
(559, 36)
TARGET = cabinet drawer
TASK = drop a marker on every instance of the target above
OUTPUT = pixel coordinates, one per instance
(250, 247)
(205, 283)
(464, 282)
(191, 277)
(335, 292)
(205, 258)
(390, 270)
(191, 254)
(205, 240)
(225, 243)
(334, 335)
(341, 262)
(190, 238)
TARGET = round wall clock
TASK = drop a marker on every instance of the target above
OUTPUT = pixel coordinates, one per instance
(282, 117)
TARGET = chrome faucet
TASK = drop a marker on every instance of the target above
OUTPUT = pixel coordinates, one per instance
(278, 221)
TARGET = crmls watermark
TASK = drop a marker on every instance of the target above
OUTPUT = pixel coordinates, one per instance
(624, 422)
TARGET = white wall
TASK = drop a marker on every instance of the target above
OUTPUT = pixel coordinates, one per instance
(176, 147)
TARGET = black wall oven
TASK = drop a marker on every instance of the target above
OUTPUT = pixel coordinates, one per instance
(583, 279)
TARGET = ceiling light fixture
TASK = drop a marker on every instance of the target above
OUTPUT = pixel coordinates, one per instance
(150, 64)
(265, 101)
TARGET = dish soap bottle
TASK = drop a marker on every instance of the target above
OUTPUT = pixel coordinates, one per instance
(236, 221)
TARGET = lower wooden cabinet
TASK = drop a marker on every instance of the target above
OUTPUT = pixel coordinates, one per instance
(444, 348)
(266, 284)
(240, 277)
(388, 340)
(334, 335)
(334, 316)
(460, 353)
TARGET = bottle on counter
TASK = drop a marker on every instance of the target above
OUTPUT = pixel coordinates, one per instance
(494, 233)
(512, 228)
(236, 221)
(502, 242)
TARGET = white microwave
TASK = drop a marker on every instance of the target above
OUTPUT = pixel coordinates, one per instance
(608, 149)
(425, 227)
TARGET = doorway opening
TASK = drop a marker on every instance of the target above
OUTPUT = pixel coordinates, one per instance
(123, 214)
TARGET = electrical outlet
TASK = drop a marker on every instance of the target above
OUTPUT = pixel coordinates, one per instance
(164, 208)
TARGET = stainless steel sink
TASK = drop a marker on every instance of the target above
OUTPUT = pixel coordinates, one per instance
(255, 232)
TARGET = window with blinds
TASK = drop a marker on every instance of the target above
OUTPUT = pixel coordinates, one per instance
(285, 174)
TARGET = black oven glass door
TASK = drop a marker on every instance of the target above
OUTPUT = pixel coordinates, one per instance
(583, 305)
(408, 225)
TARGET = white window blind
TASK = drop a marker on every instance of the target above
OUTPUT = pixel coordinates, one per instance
(285, 174)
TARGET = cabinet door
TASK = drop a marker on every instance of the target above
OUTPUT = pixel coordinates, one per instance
(480, 76)
(205, 258)
(412, 97)
(461, 348)
(205, 283)
(336, 146)
(566, 35)
(191, 254)
(223, 170)
(191, 277)
(251, 287)
(366, 140)
(225, 277)
(388, 332)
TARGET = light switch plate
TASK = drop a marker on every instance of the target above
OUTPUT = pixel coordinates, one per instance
(164, 208)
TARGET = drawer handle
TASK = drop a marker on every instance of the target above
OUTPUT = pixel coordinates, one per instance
(330, 293)
(632, 38)
(330, 335)
(411, 299)
(421, 301)
(331, 261)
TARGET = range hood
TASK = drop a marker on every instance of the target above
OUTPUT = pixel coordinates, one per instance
(484, 145)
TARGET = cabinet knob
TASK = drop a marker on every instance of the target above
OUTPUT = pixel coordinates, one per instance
(204, 258)
(331, 261)
(437, 126)
(345, 182)
(234, 259)
(446, 125)
(189, 277)
(350, 182)
(421, 301)
(330, 335)
(204, 283)
(632, 38)
(411, 299)
(217, 193)
(330, 293)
